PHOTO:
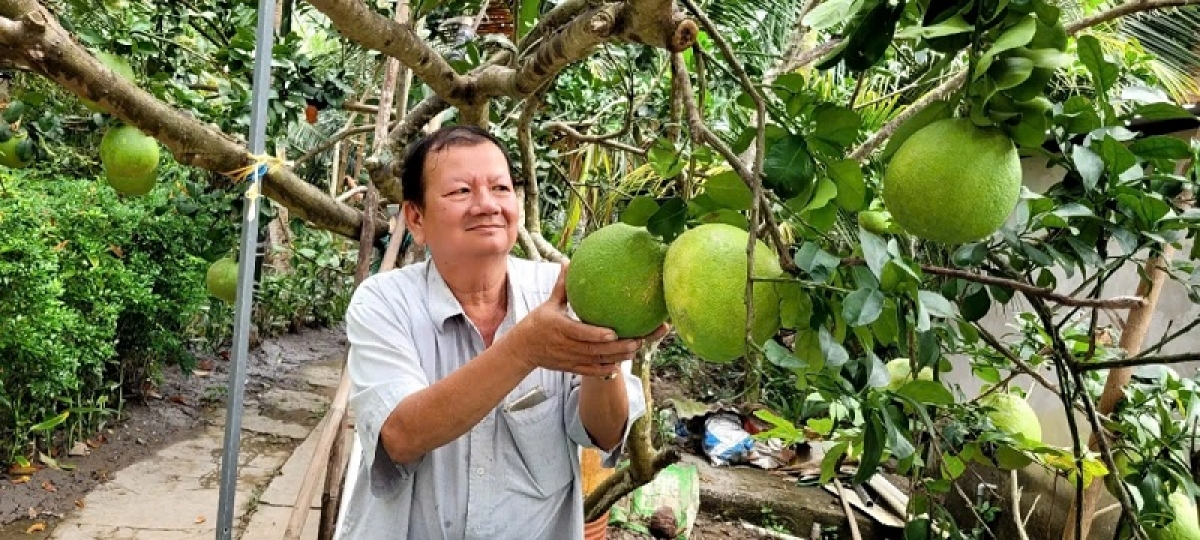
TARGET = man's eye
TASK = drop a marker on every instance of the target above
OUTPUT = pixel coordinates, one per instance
(502, 188)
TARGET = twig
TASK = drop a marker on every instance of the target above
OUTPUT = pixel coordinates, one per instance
(605, 140)
(701, 131)
(1165, 359)
(1175, 335)
(1119, 302)
(332, 140)
(971, 506)
(1128, 8)
(884, 133)
(1015, 495)
(532, 193)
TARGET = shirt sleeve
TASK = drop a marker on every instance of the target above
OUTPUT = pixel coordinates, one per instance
(637, 408)
(384, 368)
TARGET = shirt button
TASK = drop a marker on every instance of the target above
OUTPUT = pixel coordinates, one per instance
(479, 471)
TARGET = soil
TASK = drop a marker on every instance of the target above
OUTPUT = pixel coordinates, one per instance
(175, 410)
(706, 528)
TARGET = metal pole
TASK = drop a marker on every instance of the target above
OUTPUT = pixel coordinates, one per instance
(265, 34)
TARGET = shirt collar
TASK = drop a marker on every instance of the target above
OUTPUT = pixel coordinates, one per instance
(443, 305)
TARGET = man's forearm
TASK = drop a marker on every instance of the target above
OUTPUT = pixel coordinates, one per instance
(450, 407)
(604, 410)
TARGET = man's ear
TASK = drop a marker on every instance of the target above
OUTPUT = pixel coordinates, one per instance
(415, 221)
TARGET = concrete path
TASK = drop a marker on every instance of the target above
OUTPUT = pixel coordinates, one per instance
(176, 494)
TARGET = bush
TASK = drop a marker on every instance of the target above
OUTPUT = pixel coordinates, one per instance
(95, 292)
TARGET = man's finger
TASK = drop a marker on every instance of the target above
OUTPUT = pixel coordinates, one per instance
(588, 333)
(559, 295)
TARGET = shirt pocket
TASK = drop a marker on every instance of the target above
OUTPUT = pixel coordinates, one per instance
(539, 460)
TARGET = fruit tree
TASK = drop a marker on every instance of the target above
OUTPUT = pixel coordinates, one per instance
(808, 190)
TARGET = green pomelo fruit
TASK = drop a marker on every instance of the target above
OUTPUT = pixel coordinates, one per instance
(615, 280)
(16, 152)
(953, 182)
(221, 279)
(704, 280)
(130, 160)
(1185, 525)
(900, 372)
(118, 65)
(1013, 415)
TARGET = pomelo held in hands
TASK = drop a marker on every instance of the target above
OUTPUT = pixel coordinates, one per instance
(704, 280)
(616, 280)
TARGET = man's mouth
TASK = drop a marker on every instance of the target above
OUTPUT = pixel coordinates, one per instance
(485, 227)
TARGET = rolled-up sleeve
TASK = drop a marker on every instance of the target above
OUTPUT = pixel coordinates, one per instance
(384, 368)
(637, 407)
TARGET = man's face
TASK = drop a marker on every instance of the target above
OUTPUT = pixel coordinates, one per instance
(471, 208)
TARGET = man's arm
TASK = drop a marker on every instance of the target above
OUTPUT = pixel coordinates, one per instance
(604, 410)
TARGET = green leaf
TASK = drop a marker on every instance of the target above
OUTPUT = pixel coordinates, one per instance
(729, 190)
(976, 305)
(1018, 35)
(825, 192)
(795, 307)
(936, 304)
(863, 306)
(1116, 156)
(836, 124)
(47, 425)
(788, 166)
(1089, 164)
(639, 210)
(664, 158)
(1160, 147)
(952, 467)
(1162, 111)
(1051, 59)
(929, 392)
(834, 353)
(829, 463)
(871, 39)
(1030, 132)
(669, 221)
(779, 355)
(1091, 55)
(875, 252)
(851, 187)
(874, 440)
(897, 438)
(830, 13)
(1010, 71)
(954, 25)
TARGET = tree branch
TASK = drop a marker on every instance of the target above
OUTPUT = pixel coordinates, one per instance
(1165, 359)
(605, 139)
(702, 133)
(52, 52)
(1120, 302)
(1122, 10)
(332, 140)
(532, 193)
(367, 27)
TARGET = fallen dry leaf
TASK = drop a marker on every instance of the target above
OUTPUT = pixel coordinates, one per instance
(61, 245)
(19, 470)
(21, 479)
(49, 486)
(117, 251)
(36, 527)
(80, 448)
(79, 503)
(33, 513)
(177, 399)
(200, 519)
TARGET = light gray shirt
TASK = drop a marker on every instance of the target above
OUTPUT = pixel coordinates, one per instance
(514, 475)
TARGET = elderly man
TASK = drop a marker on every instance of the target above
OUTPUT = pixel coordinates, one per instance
(473, 387)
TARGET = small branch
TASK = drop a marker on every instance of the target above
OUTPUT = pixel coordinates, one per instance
(332, 140)
(544, 247)
(1168, 339)
(701, 132)
(941, 92)
(1128, 8)
(417, 118)
(363, 25)
(1166, 359)
(605, 140)
(622, 483)
(1022, 366)
(527, 244)
(1119, 302)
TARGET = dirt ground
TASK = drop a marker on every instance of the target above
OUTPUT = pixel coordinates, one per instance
(176, 410)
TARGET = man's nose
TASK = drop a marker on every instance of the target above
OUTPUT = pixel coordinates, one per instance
(486, 203)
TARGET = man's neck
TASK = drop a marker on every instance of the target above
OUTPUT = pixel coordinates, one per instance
(477, 284)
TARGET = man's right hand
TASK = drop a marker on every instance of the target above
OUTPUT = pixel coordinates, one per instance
(549, 338)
